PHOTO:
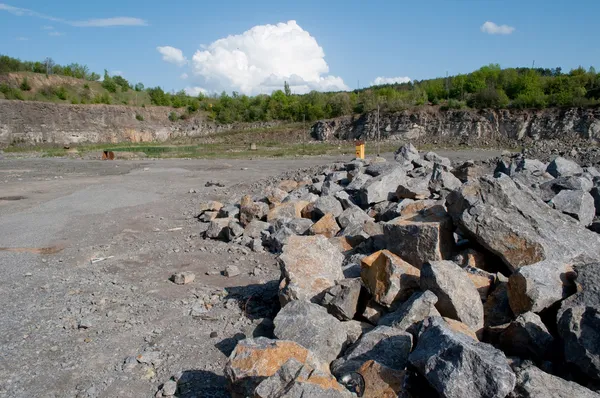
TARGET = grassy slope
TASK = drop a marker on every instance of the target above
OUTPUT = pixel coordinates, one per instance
(75, 89)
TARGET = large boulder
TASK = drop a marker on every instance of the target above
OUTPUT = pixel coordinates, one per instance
(353, 215)
(527, 337)
(457, 366)
(250, 210)
(254, 360)
(532, 382)
(381, 381)
(389, 278)
(442, 180)
(358, 182)
(577, 204)
(341, 300)
(312, 327)
(435, 158)
(457, 296)
(509, 220)
(326, 226)
(287, 210)
(297, 380)
(563, 167)
(549, 189)
(413, 188)
(420, 237)
(406, 154)
(418, 307)
(579, 322)
(255, 229)
(386, 345)
(325, 205)
(381, 188)
(309, 265)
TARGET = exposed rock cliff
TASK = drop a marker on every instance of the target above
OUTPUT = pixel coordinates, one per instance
(470, 126)
(29, 123)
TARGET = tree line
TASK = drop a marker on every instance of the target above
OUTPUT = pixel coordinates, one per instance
(488, 87)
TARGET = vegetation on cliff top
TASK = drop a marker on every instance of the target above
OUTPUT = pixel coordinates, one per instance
(487, 87)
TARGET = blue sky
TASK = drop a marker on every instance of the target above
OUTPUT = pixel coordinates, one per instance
(360, 40)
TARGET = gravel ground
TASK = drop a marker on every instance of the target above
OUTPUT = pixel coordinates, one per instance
(119, 327)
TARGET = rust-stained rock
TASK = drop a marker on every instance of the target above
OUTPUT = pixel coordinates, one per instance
(309, 265)
(288, 185)
(275, 195)
(481, 279)
(212, 205)
(342, 243)
(381, 381)
(326, 226)
(388, 277)
(253, 360)
(250, 210)
(373, 311)
(208, 216)
(287, 210)
(460, 327)
(297, 380)
(426, 236)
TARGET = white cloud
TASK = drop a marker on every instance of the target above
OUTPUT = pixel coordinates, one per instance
(194, 91)
(262, 58)
(116, 73)
(389, 80)
(21, 38)
(101, 22)
(55, 33)
(172, 55)
(47, 27)
(183, 76)
(493, 29)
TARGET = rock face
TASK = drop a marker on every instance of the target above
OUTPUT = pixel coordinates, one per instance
(535, 383)
(312, 327)
(389, 278)
(455, 365)
(253, 360)
(579, 322)
(309, 265)
(377, 344)
(454, 125)
(457, 296)
(425, 236)
(296, 380)
(509, 220)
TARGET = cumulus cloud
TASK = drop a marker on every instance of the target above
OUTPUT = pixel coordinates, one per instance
(493, 29)
(389, 80)
(172, 55)
(194, 91)
(262, 58)
(183, 76)
(55, 33)
(96, 22)
(21, 38)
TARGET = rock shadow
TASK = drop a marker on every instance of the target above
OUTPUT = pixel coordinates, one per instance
(201, 384)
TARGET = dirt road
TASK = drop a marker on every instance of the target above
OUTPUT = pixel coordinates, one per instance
(119, 327)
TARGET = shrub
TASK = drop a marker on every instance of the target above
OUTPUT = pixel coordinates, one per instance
(74, 101)
(25, 86)
(489, 98)
(86, 86)
(61, 93)
(173, 116)
(102, 99)
(11, 93)
(139, 117)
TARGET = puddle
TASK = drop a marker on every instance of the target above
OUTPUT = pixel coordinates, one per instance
(12, 197)
(35, 250)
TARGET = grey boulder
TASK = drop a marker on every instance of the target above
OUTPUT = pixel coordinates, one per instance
(457, 366)
(312, 327)
(563, 167)
(386, 345)
(532, 382)
(577, 204)
(407, 317)
(382, 188)
(341, 300)
(327, 204)
(457, 296)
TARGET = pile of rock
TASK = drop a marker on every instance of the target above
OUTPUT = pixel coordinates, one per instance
(413, 278)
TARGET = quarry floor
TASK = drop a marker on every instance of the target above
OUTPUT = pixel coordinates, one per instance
(70, 327)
